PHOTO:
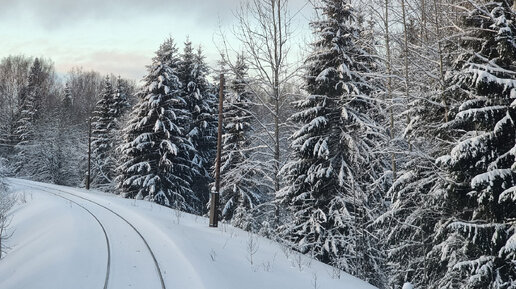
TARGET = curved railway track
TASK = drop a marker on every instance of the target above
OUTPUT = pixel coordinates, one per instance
(108, 266)
(46, 189)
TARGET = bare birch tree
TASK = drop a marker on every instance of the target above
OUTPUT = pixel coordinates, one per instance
(264, 34)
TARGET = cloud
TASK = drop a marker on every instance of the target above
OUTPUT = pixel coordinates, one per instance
(56, 14)
(124, 61)
(111, 36)
(126, 64)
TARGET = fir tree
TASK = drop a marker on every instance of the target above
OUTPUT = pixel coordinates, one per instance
(25, 126)
(65, 144)
(240, 176)
(332, 150)
(157, 164)
(201, 128)
(475, 240)
(120, 103)
(102, 131)
(67, 101)
(25, 131)
(408, 223)
(36, 78)
(119, 110)
(55, 148)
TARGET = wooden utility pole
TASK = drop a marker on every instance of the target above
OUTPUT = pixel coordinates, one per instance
(88, 173)
(214, 203)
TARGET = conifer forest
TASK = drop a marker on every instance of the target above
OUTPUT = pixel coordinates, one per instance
(386, 150)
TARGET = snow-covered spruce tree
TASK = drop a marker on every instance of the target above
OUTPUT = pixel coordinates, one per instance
(208, 120)
(102, 143)
(66, 104)
(25, 131)
(37, 76)
(25, 126)
(328, 177)
(56, 148)
(120, 103)
(240, 185)
(156, 153)
(46, 149)
(120, 111)
(476, 239)
(201, 128)
(29, 105)
(65, 143)
(413, 210)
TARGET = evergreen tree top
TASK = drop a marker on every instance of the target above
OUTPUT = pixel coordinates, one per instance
(67, 99)
(35, 73)
(167, 53)
(338, 62)
(163, 72)
(108, 88)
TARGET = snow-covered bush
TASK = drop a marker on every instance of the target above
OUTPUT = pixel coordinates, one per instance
(3, 172)
(6, 202)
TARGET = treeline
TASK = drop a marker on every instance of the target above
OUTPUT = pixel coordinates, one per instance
(44, 118)
(387, 152)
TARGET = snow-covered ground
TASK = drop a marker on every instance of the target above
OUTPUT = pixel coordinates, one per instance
(60, 240)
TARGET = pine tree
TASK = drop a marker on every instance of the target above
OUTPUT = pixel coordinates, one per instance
(476, 238)
(240, 175)
(156, 154)
(201, 128)
(327, 191)
(102, 133)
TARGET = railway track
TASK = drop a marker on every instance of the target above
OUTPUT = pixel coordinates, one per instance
(47, 190)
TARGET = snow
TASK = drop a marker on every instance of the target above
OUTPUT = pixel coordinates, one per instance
(323, 76)
(508, 195)
(407, 285)
(58, 244)
(510, 246)
(482, 76)
(479, 114)
(489, 177)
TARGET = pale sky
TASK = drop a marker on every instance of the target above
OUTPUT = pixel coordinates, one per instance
(114, 36)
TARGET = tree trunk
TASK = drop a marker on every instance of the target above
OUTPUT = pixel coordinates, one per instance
(389, 84)
(406, 63)
(437, 8)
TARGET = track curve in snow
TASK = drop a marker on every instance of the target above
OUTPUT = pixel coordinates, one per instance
(69, 197)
